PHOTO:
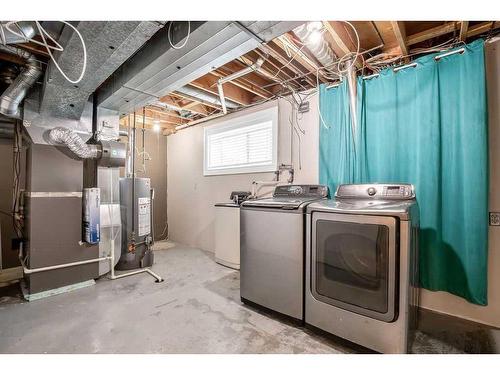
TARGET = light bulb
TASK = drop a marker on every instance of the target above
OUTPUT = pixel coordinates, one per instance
(156, 126)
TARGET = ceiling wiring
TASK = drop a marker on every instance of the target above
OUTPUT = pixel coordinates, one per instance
(53, 46)
(178, 46)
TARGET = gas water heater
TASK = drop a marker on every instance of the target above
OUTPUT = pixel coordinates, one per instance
(136, 212)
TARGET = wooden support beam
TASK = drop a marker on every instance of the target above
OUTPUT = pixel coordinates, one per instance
(271, 74)
(278, 53)
(192, 106)
(252, 82)
(300, 57)
(482, 28)
(192, 98)
(434, 32)
(236, 65)
(208, 83)
(464, 25)
(466, 31)
(342, 45)
(400, 32)
(336, 38)
(152, 115)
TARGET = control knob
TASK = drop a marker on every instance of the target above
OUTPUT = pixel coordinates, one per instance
(371, 191)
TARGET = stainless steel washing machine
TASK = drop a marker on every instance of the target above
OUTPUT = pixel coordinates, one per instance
(362, 265)
(272, 248)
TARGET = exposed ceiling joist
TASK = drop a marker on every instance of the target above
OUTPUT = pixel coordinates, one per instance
(268, 74)
(400, 33)
(277, 53)
(300, 56)
(483, 27)
(193, 99)
(152, 115)
(434, 32)
(341, 42)
(245, 85)
(208, 83)
(192, 106)
(464, 25)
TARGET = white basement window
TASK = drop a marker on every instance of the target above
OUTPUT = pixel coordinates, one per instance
(246, 144)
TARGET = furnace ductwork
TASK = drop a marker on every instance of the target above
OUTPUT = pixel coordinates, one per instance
(74, 143)
(11, 99)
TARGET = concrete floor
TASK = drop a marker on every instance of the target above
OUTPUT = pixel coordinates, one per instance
(196, 310)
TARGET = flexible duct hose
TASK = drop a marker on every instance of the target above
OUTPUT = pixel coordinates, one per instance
(16, 92)
(74, 143)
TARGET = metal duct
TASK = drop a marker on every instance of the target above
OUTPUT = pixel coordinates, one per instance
(16, 92)
(199, 94)
(74, 143)
(321, 50)
(25, 28)
(157, 69)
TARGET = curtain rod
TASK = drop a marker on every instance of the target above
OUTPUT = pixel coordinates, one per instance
(460, 50)
(413, 65)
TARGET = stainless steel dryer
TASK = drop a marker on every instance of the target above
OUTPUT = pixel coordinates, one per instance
(272, 248)
(361, 265)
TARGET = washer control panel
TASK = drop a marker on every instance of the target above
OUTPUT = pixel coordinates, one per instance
(376, 191)
(320, 191)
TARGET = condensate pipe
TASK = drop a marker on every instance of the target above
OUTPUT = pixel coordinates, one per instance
(28, 271)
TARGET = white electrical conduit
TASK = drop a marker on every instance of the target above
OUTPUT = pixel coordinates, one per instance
(252, 68)
(28, 271)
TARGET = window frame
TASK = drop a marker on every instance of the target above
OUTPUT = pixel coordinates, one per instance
(264, 115)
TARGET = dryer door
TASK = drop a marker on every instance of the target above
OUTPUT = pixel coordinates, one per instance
(353, 263)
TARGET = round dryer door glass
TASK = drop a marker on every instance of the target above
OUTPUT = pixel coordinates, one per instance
(352, 263)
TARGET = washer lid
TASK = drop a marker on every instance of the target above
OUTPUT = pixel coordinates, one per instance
(398, 208)
(279, 203)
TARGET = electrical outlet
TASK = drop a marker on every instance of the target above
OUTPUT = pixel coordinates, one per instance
(495, 218)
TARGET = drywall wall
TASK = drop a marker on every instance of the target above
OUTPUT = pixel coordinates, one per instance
(191, 196)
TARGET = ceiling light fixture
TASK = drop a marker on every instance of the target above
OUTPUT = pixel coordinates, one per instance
(156, 126)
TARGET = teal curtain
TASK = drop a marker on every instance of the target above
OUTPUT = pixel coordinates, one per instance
(428, 126)
(336, 147)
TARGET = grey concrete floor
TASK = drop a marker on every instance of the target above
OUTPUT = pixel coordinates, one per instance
(196, 310)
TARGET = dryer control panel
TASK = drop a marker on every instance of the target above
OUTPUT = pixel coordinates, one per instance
(319, 191)
(376, 191)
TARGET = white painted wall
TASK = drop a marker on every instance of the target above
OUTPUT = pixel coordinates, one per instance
(191, 196)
